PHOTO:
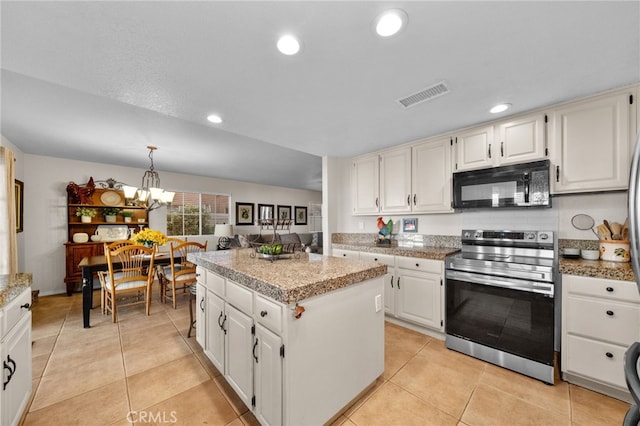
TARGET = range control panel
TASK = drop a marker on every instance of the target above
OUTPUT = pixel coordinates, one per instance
(507, 237)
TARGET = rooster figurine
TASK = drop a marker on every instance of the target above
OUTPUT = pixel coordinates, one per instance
(384, 231)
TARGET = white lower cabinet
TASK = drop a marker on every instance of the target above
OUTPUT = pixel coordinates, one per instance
(238, 353)
(419, 291)
(15, 351)
(412, 288)
(600, 320)
(267, 358)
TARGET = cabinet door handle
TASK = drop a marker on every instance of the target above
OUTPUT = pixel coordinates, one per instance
(12, 370)
(391, 281)
(398, 283)
(414, 199)
(610, 313)
(377, 205)
(202, 304)
(501, 149)
(610, 289)
(609, 355)
(489, 152)
(255, 345)
(409, 199)
(557, 173)
(263, 313)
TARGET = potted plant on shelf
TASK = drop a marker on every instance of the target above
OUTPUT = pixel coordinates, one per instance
(127, 215)
(110, 213)
(86, 213)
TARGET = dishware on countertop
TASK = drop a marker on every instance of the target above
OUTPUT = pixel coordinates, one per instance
(590, 254)
(571, 253)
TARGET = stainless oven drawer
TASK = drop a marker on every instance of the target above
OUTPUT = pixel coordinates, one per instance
(495, 281)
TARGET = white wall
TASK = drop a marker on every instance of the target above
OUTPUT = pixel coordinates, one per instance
(45, 220)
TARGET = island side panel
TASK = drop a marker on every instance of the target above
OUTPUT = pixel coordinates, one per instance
(333, 352)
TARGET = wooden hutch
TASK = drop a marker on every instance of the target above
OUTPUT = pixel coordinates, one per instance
(99, 200)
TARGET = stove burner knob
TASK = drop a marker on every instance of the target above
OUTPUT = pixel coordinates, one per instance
(478, 234)
(530, 236)
(544, 236)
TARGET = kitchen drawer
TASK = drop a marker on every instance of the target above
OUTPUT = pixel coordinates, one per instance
(596, 360)
(215, 283)
(201, 275)
(387, 259)
(269, 314)
(240, 297)
(603, 319)
(348, 254)
(602, 288)
(15, 310)
(417, 264)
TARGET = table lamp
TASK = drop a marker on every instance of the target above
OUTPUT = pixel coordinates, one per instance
(223, 231)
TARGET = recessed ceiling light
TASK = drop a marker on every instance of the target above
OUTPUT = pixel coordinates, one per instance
(288, 45)
(499, 108)
(390, 22)
(214, 118)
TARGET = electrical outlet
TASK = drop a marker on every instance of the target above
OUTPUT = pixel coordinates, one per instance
(378, 301)
(361, 225)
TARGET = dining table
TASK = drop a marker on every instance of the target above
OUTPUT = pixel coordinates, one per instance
(92, 264)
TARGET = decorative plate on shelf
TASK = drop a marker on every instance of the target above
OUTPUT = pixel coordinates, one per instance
(110, 198)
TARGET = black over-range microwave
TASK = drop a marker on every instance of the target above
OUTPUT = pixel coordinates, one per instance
(513, 186)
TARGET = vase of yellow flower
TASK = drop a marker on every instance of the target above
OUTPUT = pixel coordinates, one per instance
(149, 237)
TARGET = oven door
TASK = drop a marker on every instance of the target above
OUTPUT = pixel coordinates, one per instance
(511, 315)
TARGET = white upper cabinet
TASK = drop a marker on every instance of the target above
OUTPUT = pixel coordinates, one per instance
(395, 180)
(521, 140)
(517, 140)
(475, 148)
(431, 176)
(590, 143)
(365, 174)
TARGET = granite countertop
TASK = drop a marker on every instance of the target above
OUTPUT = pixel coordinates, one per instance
(12, 285)
(597, 269)
(288, 280)
(435, 253)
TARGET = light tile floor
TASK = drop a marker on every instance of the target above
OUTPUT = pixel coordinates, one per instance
(146, 369)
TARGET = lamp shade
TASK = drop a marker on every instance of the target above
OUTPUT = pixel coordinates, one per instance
(223, 230)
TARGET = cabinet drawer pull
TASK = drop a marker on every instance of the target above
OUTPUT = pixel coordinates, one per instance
(501, 149)
(25, 306)
(609, 355)
(489, 151)
(375, 259)
(263, 313)
(610, 289)
(417, 265)
(610, 313)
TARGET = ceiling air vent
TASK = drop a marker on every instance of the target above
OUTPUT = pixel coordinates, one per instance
(424, 95)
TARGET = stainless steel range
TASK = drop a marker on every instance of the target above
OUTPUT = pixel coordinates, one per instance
(499, 295)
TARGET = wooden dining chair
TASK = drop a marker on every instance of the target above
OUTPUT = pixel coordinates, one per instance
(103, 274)
(180, 274)
(130, 272)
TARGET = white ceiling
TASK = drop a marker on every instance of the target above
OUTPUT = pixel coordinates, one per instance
(99, 81)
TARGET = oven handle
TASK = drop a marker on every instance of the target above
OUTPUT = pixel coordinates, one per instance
(493, 281)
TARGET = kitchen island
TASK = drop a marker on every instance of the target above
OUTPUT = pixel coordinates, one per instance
(297, 338)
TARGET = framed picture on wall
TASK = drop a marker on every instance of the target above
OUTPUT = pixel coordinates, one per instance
(284, 212)
(19, 187)
(300, 215)
(266, 211)
(244, 213)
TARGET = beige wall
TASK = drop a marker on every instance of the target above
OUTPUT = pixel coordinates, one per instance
(45, 220)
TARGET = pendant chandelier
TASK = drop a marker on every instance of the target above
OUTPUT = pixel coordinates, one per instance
(149, 194)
